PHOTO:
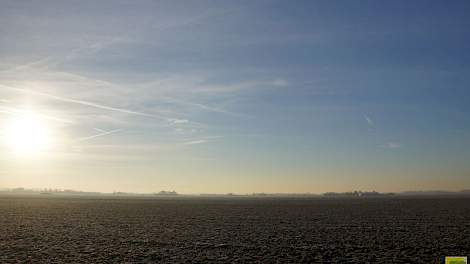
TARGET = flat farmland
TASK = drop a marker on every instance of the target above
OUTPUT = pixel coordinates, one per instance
(219, 230)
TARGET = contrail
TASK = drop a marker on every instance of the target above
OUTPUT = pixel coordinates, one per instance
(99, 130)
(81, 102)
(201, 141)
(28, 65)
(194, 142)
(98, 135)
(13, 111)
(204, 107)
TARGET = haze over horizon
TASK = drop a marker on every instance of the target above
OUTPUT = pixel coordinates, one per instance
(241, 97)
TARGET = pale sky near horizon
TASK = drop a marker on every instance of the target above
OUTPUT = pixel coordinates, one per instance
(235, 96)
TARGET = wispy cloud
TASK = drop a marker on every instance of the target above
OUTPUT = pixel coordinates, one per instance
(202, 106)
(29, 65)
(16, 111)
(81, 92)
(201, 140)
(98, 135)
(391, 145)
(241, 86)
(369, 120)
(99, 130)
(81, 102)
(194, 142)
(279, 82)
(178, 121)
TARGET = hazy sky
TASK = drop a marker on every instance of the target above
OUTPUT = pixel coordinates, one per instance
(238, 96)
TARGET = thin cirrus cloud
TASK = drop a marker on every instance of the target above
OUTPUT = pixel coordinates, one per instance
(104, 133)
(195, 142)
(79, 80)
(81, 102)
(202, 140)
(242, 86)
(178, 121)
(16, 111)
(391, 145)
(369, 120)
(201, 106)
(29, 65)
(94, 85)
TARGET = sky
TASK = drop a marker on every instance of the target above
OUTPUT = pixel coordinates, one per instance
(235, 96)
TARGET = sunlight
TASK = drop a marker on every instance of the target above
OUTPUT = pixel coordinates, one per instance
(27, 134)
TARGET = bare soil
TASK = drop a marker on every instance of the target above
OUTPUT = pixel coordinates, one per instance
(102, 230)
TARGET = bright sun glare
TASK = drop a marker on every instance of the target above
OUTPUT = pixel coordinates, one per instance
(27, 134)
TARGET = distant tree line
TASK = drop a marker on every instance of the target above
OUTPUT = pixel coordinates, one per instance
(357, 194)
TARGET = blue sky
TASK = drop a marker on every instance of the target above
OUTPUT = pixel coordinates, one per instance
(246, 96)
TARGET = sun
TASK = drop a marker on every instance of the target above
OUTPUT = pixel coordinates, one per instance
(27, 134)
